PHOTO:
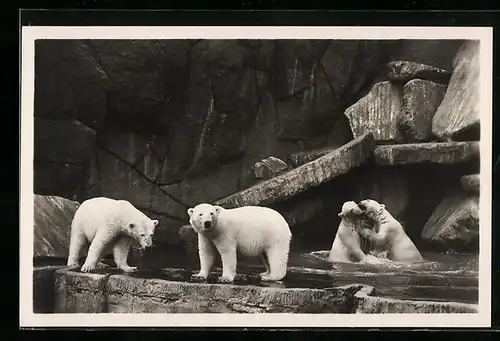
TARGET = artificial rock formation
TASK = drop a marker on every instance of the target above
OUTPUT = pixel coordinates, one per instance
(378, 112)
(403, 71)
(458, 113)
(52, 218)
(455, 222)
(269, 167)
(421, 98)
(441, 153)
(309, 175)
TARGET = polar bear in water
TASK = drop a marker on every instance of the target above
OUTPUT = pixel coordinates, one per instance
(389, 233)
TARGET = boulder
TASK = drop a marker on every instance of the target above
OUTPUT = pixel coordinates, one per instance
(378, 112)
(471, 182)
(454, 224)
(269, 167)
(401, 71)
(312, 174)
(421, 98)
(52, 230)
(70, 83)
(441, 153)
(458, 115)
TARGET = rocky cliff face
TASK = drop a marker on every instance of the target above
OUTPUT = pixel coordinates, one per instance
(169, 124)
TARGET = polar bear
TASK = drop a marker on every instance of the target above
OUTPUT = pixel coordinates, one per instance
(347, 246)
(249, 230)
(389, 234)
(104, 223)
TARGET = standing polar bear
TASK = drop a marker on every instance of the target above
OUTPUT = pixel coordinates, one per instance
(249, 230)
(104, 223)
(390, 234)
(347, 245)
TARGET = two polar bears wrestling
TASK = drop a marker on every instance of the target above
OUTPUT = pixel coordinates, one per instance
(354, 242)
(107, 223)
(248, 230)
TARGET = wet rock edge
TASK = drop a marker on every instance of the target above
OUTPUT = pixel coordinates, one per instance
(75, 292)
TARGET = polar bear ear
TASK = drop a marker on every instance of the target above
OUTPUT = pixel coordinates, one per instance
(190, 212)
(217, 209)
(382, 205)
(155, 222)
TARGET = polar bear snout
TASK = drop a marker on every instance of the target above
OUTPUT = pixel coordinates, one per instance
(147, 240)
(207, 224)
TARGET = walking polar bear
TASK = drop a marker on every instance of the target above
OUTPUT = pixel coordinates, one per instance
(389, 233)
(249, 230)
(104, 223)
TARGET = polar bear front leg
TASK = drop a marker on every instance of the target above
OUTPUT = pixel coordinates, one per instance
(101, 240)
(120, 254)
(229, 259)
(207, 253)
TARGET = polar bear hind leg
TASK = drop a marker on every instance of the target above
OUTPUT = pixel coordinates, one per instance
(76, 244)
(98, 245)
(265, 261)
(120, 254)
(277, 256)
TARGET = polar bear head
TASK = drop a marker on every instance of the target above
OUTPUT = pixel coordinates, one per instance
(143, 231)
(203, 217)
(371, 208)
(349, 208)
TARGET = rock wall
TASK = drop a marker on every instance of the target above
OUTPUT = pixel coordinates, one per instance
(168, 124)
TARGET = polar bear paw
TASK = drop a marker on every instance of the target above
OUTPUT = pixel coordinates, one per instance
(225, 279)
(88, 267)
(199, 277)
(129, 268)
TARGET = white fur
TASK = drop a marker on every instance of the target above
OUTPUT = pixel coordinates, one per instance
(249, 230)
(108, 223)
(390, 234)
(346, 246)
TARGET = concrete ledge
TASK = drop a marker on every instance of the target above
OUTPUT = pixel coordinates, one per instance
(367, 304)
(402, 154)
(116, 292)
(43, 288)
(441, 153)
(122, 293)
(78, 292)
(134, 295)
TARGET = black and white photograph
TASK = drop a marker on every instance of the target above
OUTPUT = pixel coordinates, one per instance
(256, 176)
